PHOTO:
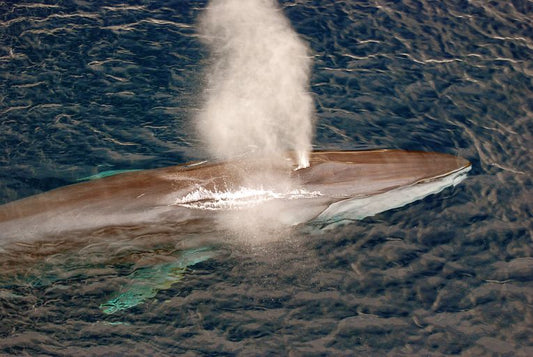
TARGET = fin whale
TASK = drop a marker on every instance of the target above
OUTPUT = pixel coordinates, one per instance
(159, 223)
(337, 186)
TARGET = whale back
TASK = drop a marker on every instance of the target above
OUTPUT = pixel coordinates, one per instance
(152, 196)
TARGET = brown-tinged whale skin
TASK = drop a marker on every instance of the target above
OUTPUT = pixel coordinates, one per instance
(167, 194)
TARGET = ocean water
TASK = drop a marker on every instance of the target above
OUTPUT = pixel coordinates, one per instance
(88, 87)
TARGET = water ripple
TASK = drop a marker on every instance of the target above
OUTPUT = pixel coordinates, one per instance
(88, 88)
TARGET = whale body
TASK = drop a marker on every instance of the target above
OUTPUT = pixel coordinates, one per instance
(141, 231)
(337, 186)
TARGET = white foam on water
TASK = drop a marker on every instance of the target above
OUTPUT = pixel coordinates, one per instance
(243, 197)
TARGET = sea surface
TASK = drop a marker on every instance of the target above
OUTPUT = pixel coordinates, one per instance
(92, 86)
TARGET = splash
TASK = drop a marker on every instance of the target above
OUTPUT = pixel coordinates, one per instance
(242, 198)
(257, 92)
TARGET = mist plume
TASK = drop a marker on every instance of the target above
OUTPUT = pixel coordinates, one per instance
(257, 96)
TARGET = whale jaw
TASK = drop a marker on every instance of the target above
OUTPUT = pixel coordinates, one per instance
(361, 207)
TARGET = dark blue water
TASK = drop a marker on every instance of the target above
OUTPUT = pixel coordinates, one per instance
(93, 86)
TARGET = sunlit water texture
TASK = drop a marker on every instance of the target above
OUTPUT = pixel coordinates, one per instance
(88, 87)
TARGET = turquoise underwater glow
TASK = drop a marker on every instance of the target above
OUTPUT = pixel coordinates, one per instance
(144, 283)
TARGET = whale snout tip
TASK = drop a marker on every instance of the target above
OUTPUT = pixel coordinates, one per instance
(462, 164)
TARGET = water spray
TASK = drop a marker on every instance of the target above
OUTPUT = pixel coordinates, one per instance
(257, 95)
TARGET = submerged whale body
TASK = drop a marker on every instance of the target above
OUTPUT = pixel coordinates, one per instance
(337, 186)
